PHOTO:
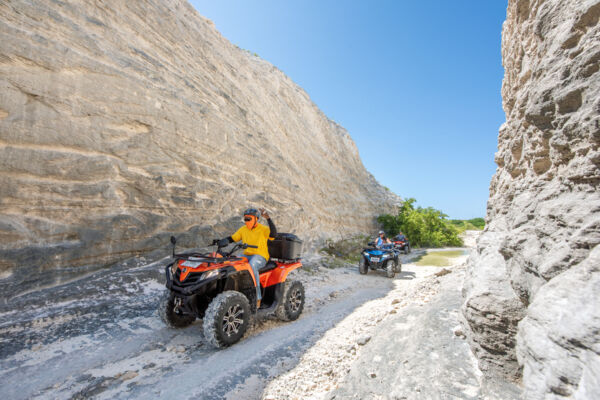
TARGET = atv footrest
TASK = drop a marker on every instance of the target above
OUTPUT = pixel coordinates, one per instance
(268, 266)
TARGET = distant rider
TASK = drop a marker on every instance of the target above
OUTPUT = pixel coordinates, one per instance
(254, 234)
(382, 240)
(400, 237)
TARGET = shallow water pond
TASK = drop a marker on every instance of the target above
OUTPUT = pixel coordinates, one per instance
(439, 258)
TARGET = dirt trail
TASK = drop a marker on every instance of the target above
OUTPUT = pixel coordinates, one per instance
(99, 336)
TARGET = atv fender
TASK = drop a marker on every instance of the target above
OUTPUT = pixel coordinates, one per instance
(278, 274)
(239, 281)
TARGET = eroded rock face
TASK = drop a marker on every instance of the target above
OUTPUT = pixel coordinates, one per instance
(531, 295)
(124, 122)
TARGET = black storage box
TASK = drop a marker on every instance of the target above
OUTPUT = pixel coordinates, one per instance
(285, 246)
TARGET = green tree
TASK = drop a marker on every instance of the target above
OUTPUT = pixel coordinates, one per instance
(424, 227)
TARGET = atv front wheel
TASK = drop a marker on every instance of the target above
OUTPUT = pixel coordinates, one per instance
(398, 267)
(363, 268)
(390, 268)
(292, 302)
(407, 249)
(169, 310)
(226, 319)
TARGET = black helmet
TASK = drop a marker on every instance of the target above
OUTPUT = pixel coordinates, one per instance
(252, 211)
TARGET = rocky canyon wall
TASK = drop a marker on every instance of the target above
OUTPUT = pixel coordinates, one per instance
(533, 288)
(123, 122)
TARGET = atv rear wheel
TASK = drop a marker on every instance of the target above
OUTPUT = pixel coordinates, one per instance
(226, 319)
(390, 268)
(363, 268)
(169, 310)
(292, 302)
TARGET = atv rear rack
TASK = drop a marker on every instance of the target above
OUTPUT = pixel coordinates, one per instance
(286, 260)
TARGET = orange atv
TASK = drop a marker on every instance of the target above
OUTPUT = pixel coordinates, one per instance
(219, 288)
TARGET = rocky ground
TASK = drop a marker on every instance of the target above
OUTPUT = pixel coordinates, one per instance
(408, 344)
(99, 336)
(367, 337)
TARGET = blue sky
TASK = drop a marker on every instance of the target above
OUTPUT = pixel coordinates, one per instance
(415, 83)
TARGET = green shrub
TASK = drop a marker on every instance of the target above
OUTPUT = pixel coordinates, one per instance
(424, 227)
(479, 223)
(468, 224)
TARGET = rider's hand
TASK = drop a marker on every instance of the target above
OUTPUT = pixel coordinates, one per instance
(223, 242)
(264, 213)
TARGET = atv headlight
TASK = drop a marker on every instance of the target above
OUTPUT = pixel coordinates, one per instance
(174, 267)
(210, 274)
(385, 256)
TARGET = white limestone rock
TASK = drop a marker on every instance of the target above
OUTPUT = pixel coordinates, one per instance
(559, 341)
(122, 123)
(543, 217)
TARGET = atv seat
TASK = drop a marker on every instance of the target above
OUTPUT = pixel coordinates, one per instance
(268, 266)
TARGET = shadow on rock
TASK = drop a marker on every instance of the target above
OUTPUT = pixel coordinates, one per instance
(406, 275)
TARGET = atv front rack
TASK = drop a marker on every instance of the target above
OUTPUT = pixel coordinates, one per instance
(203, 257)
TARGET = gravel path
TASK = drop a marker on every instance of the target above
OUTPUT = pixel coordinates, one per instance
(360, 336)
(99, 336)
(406, 345)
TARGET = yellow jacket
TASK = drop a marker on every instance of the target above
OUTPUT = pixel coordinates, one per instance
(258, 236)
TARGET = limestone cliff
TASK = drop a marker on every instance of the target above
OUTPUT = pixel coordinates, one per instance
(531, 297)
(124, 122)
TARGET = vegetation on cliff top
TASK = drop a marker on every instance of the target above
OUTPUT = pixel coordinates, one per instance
(468, 224)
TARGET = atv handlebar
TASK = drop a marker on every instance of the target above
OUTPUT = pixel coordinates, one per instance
(212, 257)
(215, 242)
(237, 246)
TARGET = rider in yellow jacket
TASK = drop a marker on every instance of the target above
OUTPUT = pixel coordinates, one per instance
(254, 234)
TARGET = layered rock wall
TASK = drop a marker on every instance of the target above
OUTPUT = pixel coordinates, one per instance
(532, 292)
(124, 122)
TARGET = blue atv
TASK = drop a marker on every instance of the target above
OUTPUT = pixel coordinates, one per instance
(385, 258)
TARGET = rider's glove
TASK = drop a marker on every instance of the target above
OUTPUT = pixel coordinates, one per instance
(223, 242)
